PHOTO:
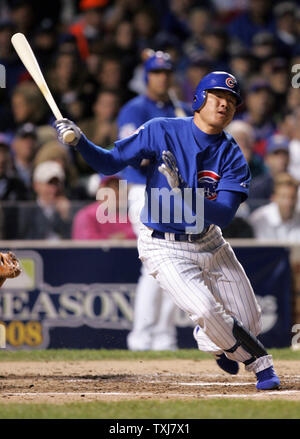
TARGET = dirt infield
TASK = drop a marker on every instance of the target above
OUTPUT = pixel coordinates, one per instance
(63, 381)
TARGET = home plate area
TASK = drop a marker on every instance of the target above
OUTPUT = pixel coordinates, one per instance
(60, 382)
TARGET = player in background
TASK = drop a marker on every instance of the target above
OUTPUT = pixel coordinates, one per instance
(191, 260)
(153, 322)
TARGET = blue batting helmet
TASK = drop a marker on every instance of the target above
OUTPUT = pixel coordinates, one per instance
(157, 61)
(216, 80)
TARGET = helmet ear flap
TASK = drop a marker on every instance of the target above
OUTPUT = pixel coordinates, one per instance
(199, 100)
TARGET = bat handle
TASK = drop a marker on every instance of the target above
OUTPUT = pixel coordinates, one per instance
(69, 136)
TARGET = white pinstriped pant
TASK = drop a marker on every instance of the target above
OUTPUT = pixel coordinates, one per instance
(206, 280)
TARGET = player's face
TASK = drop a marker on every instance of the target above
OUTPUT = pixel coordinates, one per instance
(217, 112)
(159, 82)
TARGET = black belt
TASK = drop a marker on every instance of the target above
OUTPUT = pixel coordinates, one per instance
(183, 237)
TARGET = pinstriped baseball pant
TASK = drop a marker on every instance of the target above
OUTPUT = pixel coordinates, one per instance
(205, 280)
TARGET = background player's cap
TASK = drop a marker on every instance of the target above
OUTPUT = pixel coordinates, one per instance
(213, 81)
(156, 61)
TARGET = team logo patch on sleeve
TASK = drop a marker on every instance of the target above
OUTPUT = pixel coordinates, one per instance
(209, 181)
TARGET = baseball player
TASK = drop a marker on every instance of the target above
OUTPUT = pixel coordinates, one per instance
(199, 270)
(153, 323)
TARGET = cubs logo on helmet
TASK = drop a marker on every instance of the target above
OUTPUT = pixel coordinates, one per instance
(209, 181)
(230, 82)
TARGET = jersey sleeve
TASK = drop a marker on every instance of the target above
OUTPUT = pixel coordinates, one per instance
(140, 145)
(236, 174)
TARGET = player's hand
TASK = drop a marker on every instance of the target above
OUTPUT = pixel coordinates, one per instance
(64, 125)
(170, 171)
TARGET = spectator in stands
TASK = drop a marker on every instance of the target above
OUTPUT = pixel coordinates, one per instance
(259, 102)
(23, 16)
(279, 219)
(276, 161)
(66, 80)
(276, 71)
(285, 15)
(215, 44)
(198, 66)
(12, 187)
(257, 18)
(45, 43)
(293, 99)
(102, 128)
(54, 151)
(263, 46)
(110, 77)
(26, 99)
(241, 64)
(106, 220)
(24, 147)
(123, 46)
(50, 217)
(244, 135)
(90, 25)
(12, 190)
(199, 21)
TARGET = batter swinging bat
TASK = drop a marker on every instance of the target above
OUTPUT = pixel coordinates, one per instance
(27, 57)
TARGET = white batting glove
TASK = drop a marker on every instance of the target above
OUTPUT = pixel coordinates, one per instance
(170, 170)
(65, 125)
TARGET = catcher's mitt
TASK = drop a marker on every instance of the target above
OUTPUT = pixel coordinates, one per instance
(9, 266)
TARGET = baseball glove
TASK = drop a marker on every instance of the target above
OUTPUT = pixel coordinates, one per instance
(9, 266)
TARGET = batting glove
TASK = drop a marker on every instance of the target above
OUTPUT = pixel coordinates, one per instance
(64, 126)
(170, 170)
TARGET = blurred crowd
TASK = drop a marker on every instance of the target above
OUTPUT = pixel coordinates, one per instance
(90, 52)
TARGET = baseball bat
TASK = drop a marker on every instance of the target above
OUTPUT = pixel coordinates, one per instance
(179, 112)
(28, 58)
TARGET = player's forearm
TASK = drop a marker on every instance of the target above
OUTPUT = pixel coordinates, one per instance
(102, 160)
(221, 212)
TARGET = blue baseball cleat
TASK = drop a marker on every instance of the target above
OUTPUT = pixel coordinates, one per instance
(267, 379)
(226, 364)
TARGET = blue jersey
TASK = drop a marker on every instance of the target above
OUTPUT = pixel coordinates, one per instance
(212, 162)
(132, 115)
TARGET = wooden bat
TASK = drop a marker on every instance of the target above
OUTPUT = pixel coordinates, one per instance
(179, 112)
(28, 58)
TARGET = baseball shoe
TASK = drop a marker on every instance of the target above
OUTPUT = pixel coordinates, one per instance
(227, 365)
(267, 379)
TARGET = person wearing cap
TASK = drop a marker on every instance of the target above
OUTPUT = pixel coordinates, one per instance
(153, 326)
(276, 161)
(24, 147)
(196, 179)
(279, 220)
(90, 25)
(49, 218)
